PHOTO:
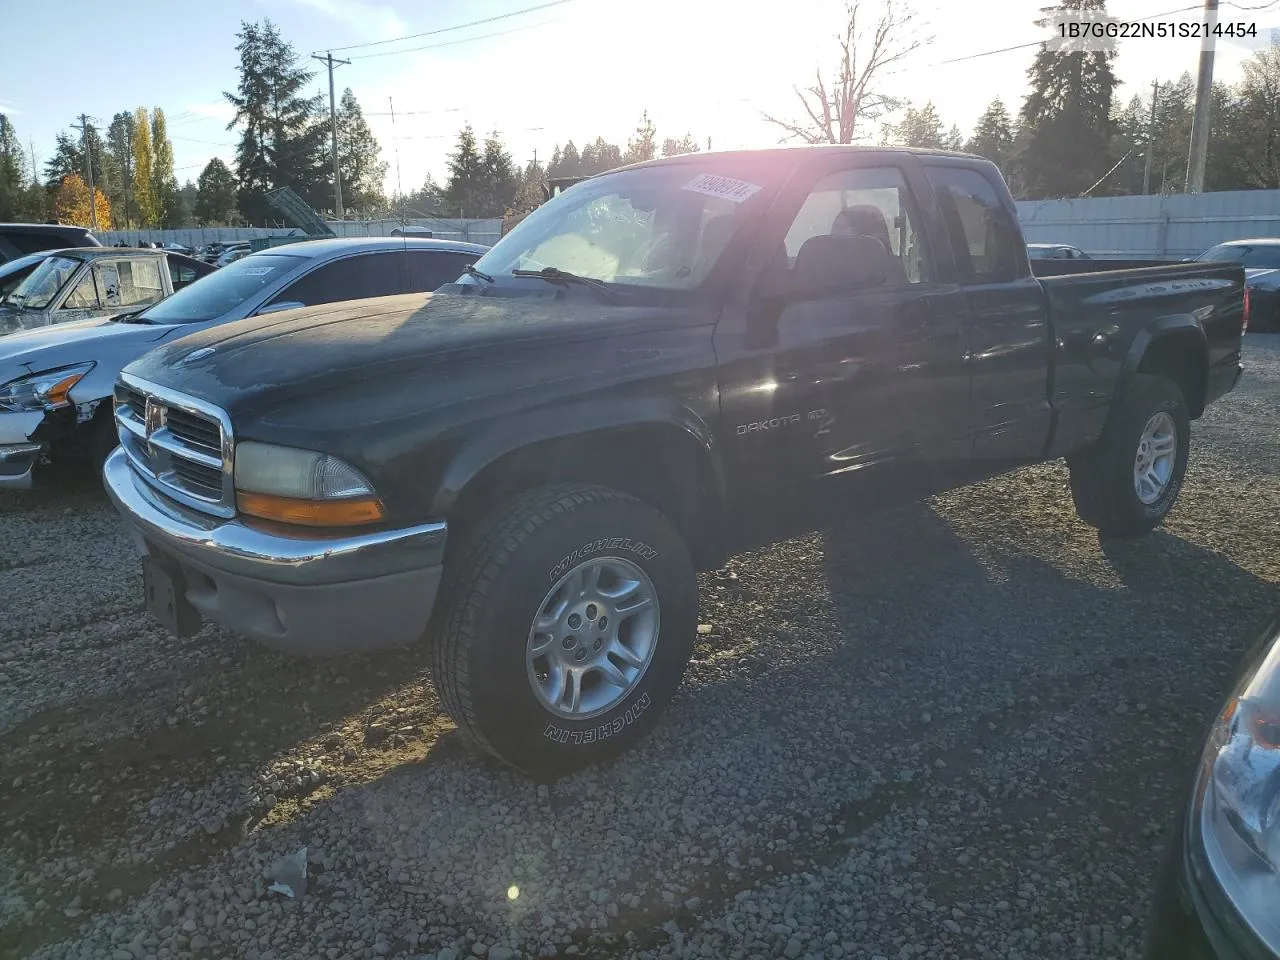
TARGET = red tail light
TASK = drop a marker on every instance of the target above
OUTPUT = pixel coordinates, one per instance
(1244, 328)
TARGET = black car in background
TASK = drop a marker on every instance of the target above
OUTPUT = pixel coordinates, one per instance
(1260, 258)
(21, 239)
(1218, 896)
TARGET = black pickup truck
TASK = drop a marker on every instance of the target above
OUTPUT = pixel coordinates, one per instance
(529, 465)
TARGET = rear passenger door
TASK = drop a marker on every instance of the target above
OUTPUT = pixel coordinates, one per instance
(1006, 323)
(351, 278)
(429, 270)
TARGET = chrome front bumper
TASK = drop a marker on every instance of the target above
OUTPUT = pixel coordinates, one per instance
(299, 594)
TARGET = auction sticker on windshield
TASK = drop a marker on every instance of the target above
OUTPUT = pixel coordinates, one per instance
(257, 271)
(726, 188)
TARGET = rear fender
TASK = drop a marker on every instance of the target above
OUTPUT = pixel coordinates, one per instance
(1182, 333)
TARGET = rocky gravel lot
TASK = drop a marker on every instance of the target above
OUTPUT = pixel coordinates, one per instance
(956, 729)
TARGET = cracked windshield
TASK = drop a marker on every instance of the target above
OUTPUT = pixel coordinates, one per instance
(534, 479)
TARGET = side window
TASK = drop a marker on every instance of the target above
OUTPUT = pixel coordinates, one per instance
(430, 270)
(180, 274)
(130, 283)
(84, 296)
(871, 202)
(983, 234)
(368, 275)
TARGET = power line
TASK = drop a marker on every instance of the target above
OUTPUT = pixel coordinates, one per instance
(454, 43)
(461, 26)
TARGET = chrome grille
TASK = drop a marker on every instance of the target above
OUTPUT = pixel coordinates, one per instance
(178, 444)
(194, 430)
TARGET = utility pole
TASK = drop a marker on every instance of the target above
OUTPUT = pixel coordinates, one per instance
(1151, 139)
(1204, 99)
(88, 163)
(338, 208)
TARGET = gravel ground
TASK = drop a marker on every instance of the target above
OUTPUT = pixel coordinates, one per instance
(954, 729)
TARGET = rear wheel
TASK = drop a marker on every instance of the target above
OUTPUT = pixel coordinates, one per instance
(566, 623)
(1127, 482)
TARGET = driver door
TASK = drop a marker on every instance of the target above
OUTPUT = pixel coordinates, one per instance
(836, 384)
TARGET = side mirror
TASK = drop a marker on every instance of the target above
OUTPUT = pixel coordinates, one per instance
(278, 306)
(829, 265)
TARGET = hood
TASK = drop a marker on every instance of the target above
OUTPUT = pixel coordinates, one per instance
(60, 343)
(290, 354)
(1267, 276)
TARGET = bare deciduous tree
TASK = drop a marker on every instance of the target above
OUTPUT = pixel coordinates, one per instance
(834, 111)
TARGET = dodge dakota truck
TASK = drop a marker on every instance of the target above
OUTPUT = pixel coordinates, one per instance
(528, 466)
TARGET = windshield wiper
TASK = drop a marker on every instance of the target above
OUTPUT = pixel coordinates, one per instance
(556, 275)
(471, 271)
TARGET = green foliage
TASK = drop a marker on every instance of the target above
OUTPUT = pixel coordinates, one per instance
(169, 210)
(13, 172)
(359, 160)
(120, 136)
(143, 165)
(993, 136)
(215, 202)
(643, 144)
(918, 128)
(1066, 118)
(284, 133)
(465, 192)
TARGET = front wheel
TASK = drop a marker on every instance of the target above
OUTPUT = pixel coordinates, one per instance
(566, 625)
(1127, 482)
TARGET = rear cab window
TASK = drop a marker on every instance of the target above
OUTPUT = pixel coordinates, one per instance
(983, 234)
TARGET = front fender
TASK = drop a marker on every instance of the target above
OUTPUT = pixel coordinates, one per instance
(512, 434)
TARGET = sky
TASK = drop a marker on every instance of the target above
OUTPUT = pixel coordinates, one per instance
(572, 70)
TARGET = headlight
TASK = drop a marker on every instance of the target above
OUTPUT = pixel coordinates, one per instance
(47, 390)
(301, 486)
(1238, 800)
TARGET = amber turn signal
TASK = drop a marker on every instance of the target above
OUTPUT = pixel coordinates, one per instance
(347, 512)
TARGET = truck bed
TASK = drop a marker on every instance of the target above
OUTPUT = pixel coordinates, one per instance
(1101, 320)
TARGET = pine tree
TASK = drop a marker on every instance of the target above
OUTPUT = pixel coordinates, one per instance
(498, 177)
(599, 156)
(464, 194)
(215, 195)
(993, 136)
(917, 128)
(282, 142)
(67, 160)
(359, 160)
(1066, 117)
(643, 145)
(674, 148)
(13, 171)
(120, 146)
(143, 164)
(570, 162)
(533, 180)
(426, 201)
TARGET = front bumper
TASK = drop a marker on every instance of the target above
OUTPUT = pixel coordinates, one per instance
(18, 453)
(299, 594)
